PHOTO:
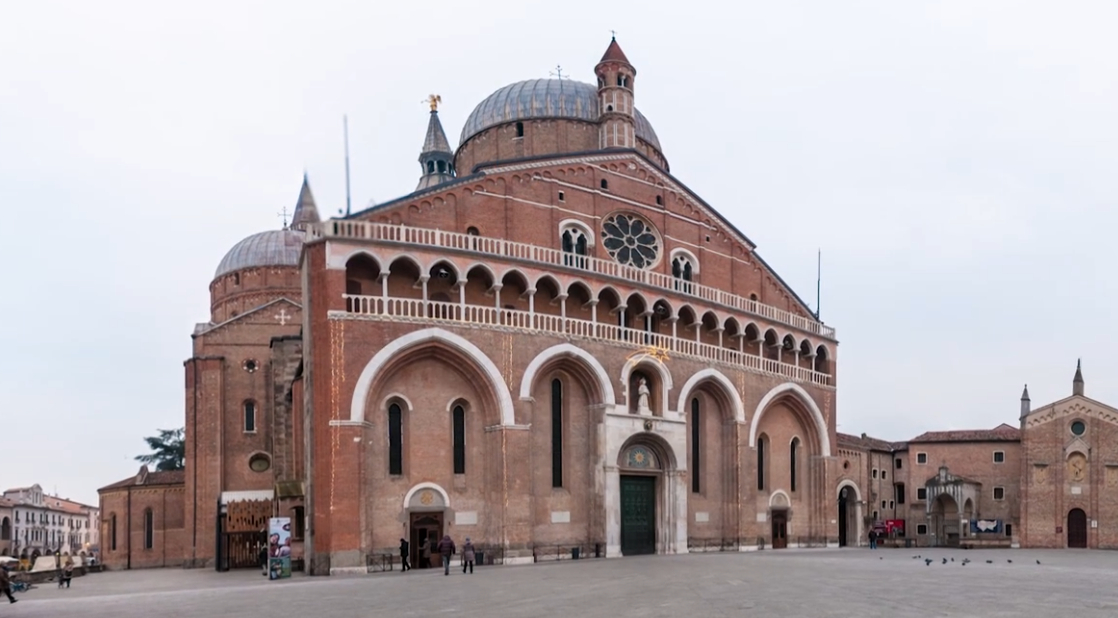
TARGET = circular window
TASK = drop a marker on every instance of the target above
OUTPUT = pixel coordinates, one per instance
(250, 365)
(846, 465)
(259, 462)
(630, 240)
(1078, 428)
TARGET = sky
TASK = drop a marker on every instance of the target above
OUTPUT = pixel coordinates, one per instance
(953, 161)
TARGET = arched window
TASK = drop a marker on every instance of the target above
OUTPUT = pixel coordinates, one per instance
(459, 440)
(149, 529)
(442, 167)
(556, 433)
(696, 447)
(575, 240)
(112, 532)
(762, 446)
(250, 416)
(605, 184)
(683, 270)
(792, 451)
(395, 439)
(520, 129)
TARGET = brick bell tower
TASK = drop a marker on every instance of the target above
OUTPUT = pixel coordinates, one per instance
(617, 128)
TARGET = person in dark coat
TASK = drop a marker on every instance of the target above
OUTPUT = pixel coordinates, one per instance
(6, 583)
(404, 566)
(446, 550)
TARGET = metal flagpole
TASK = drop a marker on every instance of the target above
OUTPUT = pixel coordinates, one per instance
(818, 281)
(345, 129)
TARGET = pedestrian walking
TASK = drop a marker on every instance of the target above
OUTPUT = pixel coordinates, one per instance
(404, 566)
(446, 550)
(425, 554)
(873, 538)
(6, 583)
(263, 560)
(468, 556)
(67, 573)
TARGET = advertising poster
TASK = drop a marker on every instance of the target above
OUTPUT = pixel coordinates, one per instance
(279, 547)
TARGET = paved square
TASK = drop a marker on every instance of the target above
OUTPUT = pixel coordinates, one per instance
(811, 583)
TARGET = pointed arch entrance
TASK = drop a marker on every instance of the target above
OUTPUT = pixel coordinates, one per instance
(426, 506)
(1077, 528)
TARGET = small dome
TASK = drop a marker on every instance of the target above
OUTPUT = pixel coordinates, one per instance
(271, 248)
(544, 98)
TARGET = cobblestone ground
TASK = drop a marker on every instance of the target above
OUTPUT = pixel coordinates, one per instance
(810, 583)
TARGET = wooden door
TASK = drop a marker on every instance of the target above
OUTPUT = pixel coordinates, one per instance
(429, 527)
(780, 529)
(1077, 528)
(638, 515)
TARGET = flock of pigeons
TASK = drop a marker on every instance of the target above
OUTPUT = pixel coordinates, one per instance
(964, 562)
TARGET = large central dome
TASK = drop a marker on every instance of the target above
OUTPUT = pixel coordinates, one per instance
(544, 98)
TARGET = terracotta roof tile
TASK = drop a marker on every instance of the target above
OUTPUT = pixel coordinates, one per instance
(1001, 433)
(864, 442)
(170, 477)
(614, 53)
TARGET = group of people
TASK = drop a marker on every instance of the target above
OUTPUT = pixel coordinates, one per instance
(65, 574)
(445, 549)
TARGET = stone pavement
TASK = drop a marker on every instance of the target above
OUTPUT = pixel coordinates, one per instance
(810, 583)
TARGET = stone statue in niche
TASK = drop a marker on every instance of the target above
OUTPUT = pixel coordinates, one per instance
(642, 396)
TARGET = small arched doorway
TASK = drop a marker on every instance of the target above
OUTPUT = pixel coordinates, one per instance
(844, 518)
(426, 506)
(945, 521)
(1077, 529)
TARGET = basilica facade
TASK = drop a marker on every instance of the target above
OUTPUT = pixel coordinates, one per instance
(551, 344)
(554, 346)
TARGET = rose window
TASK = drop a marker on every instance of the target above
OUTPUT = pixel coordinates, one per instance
(630, 240)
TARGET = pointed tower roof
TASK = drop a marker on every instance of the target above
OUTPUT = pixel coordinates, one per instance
(306, 211)
(1025, 394)
(1077, 382)
(436, 159)
(614, 53)
(436, 137)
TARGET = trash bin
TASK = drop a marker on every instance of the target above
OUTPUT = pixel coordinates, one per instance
(907, 543)
(575, 552)
(479, 557)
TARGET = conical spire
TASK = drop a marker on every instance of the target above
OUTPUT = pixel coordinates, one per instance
(1077, 382)
(436, 159)
(1025, 394)
(306, 212)
(1026, 404)
(614, 53)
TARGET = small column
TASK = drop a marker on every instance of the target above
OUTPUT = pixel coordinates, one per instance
(426, 307)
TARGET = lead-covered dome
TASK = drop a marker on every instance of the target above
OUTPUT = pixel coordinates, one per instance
(271, 248)
(545, 98)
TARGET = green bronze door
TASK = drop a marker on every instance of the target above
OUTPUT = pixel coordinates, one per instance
(638, 515)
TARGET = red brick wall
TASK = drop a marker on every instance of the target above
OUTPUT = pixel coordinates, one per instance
(166, 504)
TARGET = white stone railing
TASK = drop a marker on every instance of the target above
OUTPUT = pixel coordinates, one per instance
(418, 310)
(385, 232)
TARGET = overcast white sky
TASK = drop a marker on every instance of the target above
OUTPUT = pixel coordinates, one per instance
(955, 161)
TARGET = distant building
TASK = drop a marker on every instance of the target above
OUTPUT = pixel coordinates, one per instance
(1049, 482)
(33, 523)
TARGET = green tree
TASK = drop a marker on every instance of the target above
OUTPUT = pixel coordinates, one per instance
(168, 450)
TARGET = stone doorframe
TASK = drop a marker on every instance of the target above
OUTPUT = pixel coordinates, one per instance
(622, 432)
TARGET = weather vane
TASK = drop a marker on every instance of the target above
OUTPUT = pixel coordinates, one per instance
(284, 215)
(558, 72)
(433, 100)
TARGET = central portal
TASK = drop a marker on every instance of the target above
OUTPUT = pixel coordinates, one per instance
(638, 515)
